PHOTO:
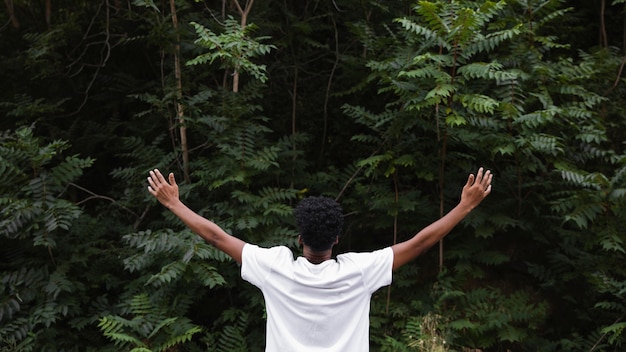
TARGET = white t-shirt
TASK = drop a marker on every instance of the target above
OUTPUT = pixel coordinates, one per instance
(314, 308)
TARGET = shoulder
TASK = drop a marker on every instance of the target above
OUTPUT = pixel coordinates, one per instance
(255, 253)
(255, 249)
(379, 253)
(257, 263)
(375, 267)
(378, 257)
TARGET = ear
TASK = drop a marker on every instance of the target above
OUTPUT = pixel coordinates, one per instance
(336, 239)
(300, 241)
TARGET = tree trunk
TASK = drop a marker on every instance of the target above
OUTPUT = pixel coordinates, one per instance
(442, 173)
(604, 41)
(244, 12)
(180, 111)
(11, 10)
(328, 87)
(48, 12)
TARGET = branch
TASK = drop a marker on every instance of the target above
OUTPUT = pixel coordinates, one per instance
(98, 196)
(11, 10)
(357, 172)
(140, 219)
(604, 335)
(245, 11)
(105, 53)
(619, 76)
(328, 87)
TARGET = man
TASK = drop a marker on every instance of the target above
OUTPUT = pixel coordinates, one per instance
(316, 303)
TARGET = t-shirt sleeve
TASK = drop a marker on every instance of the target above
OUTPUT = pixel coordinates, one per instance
(376, 267)
(257, 262)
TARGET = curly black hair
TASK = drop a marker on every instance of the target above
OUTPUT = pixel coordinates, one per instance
(320, 221)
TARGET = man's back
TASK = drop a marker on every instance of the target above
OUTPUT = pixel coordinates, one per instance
(316, 307)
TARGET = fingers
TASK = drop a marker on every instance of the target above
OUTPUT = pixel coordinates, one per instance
(151, 184)
(156, 177)
(159, 176)
(488, 190)
(486, 181)
(481, 180)
(480, 176)
(470, 180)
(155, 180)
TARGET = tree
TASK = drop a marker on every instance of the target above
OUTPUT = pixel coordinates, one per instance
(474, 84)
(382, 105)
(44, 284)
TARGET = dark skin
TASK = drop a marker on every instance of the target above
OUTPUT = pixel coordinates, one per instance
(474, 191)
(316, 257)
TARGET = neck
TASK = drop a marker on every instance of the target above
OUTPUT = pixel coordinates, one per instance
(316, 257)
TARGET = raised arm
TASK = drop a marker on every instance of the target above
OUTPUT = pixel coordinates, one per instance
(167, 194)
(474, 191)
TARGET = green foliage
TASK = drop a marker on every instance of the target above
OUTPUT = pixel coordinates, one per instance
(155, 246)
(38, 278)
(234, 49)
(519, 110)
(385, 105)
(231, 183)
(232, 337)
(419, 334)
(483, 317)
(148, 329)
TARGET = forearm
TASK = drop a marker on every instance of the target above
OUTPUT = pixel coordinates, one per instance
(209, 231)
(434, 232)
(475, 190)
(205, 228)
(429, 236)
(167, 194)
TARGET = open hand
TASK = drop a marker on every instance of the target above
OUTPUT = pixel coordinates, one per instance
(477, 188)
(166, 193)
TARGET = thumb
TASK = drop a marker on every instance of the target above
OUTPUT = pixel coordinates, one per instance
(172, 179)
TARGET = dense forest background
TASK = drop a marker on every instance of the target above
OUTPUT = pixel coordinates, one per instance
(385, 105)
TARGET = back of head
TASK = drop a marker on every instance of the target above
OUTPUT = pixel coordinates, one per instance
(320, 221)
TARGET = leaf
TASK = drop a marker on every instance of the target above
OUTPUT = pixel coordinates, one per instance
(208, 275)
(614, 331)
(146, 3)
(479, 103)
(462, 324)
(441, 91)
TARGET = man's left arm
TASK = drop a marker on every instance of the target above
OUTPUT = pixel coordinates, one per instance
(474, 191)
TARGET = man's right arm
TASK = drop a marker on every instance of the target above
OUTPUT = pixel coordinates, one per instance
(167, 194)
